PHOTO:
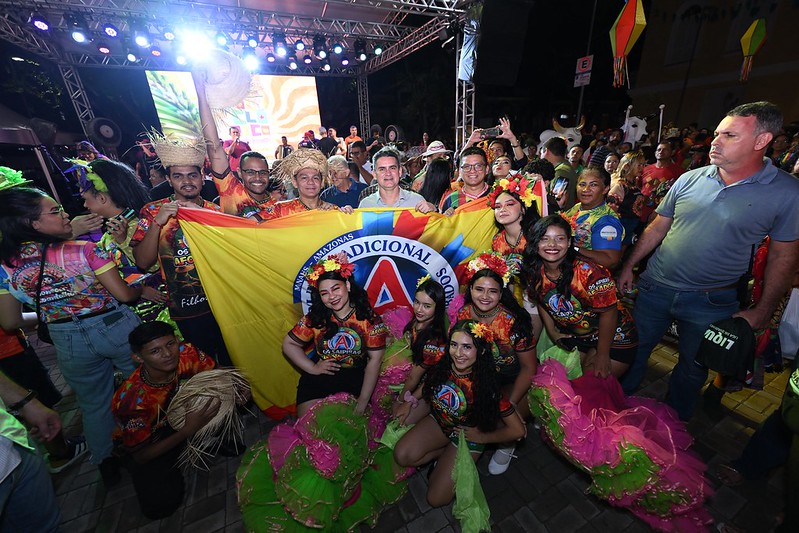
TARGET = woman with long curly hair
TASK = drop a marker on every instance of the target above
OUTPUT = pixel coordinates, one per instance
(577, 300)
(463, 392)
(348, 337)
(426, 334)
(113, 191)
(490, 302)
(77, 289)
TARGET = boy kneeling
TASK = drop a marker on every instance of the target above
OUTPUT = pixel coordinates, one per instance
(140, 406)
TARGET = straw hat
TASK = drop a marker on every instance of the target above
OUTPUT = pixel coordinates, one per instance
(299, 159)
(228, 80)
(435, 148)
(232, 389)
(176, 150)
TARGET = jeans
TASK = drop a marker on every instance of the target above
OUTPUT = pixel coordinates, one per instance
(87, 352)
(655, 308)
(27, 499)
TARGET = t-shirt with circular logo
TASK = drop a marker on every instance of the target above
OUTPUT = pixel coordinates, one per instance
(348, 345)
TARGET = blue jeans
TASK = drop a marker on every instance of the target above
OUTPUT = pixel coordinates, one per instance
(87, 352)
(27, 499)
(655, 309)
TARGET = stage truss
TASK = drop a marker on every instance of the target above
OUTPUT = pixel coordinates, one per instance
(371, 21)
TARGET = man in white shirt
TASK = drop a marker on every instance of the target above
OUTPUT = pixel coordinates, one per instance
(389, 193)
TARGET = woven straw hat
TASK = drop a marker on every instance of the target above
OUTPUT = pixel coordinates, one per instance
(176, 150)
(230, 387)
(228, 81)
(302, 158)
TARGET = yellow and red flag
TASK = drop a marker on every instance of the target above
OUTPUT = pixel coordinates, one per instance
(253, 274)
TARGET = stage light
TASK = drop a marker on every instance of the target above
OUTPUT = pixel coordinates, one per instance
(181, 60)
(360, 50)
(344, 61)
(251, 60)
(319, 47)
(299, 45)
(155, 51)
(78, 29)
(252, 41)
(307, 59)
(131, 56)
(110, 30)
(292, 63)
(221, 39)
(326, 65)
(39, 22)
(270, 57)
(17, 59)
(195, 44)
(279, 44)
(168, 33)
(141, 37)
(338, 48)
(103, 48)
(378, 49)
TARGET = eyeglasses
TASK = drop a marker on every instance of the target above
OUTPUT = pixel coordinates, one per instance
(250, 172)
(477, 166)
(55, 211)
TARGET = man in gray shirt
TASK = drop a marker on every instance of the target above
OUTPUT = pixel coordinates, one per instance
(386, 164)
(703, 236)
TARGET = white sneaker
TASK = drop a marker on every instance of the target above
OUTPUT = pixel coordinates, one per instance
(500, 461)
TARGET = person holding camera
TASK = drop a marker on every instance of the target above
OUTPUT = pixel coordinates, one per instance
(577, 300)
(499, 136)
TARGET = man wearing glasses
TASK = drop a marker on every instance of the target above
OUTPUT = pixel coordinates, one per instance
(473, 173)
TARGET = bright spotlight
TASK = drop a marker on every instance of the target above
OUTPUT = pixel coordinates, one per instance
(299, 45)
(279, 44)
(181, 60)
(221, 39)
(252, 41)
(251, 60)
(378, 49)
(292, 63)
(319, 47)
(360, 50)
(270, 57)
(344, 61)
(195, 44)
(103, 48)
(141, 39)
(307, 59)
(131, 56)
(155, 51)
(110, 30)
(40, 23)
(168, 33)
(326, 66)
(338, 48)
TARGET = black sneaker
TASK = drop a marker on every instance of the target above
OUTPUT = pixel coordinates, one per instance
(109, 471)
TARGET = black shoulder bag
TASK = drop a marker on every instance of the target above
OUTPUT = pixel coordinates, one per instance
(41, 330)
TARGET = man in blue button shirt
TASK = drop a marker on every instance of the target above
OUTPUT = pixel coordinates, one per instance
(703, 237)
(345, 190)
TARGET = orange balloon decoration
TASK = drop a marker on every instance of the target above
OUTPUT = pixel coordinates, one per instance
(623, 35)
(751, 43)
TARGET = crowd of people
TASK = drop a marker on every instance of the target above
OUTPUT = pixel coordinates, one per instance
(671, 225)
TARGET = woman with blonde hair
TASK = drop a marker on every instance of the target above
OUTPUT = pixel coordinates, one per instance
(625, 196)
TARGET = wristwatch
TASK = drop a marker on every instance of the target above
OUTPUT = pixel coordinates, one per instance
(16, 407)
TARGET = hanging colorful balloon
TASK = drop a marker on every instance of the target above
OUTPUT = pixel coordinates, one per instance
(623, 35)
(751, 43)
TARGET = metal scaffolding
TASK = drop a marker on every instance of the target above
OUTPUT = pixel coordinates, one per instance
(78, 96)
(363, 104)
(464, 102)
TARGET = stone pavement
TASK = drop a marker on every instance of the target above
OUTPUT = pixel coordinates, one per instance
(541, 492)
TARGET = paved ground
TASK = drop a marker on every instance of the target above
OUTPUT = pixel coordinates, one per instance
(540, 492)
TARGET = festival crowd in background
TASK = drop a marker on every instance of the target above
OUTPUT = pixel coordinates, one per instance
(695, 227)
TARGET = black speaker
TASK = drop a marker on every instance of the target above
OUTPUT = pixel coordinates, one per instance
(500, 43)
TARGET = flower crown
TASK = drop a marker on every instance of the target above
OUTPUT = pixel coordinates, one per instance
(87, 178)
(519, 184)
(334, 263)
(422, 280)
(480, 330)
(11, 178)
(495, 262)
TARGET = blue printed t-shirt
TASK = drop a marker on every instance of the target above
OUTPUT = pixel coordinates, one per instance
(595, 229)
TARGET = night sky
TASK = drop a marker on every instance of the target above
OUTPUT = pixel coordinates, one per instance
(416, 93)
